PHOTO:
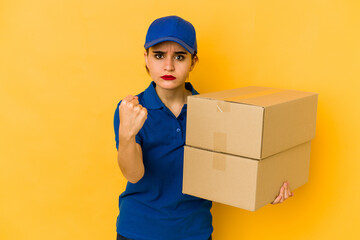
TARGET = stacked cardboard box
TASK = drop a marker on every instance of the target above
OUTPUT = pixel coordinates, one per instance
(242, 144)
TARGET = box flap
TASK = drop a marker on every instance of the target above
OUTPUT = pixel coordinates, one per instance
(287, 125)
(259, 96)
(220, 177)
(291, 165)
(225, 127)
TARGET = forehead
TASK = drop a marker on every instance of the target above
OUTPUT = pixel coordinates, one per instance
(168, 46)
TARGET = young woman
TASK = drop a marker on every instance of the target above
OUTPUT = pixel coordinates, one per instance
(150, 136)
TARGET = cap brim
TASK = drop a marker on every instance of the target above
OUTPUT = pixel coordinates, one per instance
(173, 39)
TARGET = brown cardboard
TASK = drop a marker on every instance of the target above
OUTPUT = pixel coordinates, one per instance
(243, 182)
(254, 122)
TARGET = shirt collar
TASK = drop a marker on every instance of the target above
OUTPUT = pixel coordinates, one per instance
(152, 100)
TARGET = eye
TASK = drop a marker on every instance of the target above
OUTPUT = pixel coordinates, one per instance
(159, 56)
(180, 57)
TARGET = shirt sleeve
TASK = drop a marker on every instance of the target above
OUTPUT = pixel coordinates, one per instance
(138, 138)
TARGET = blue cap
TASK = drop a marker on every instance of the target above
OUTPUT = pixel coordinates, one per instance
(172, 28)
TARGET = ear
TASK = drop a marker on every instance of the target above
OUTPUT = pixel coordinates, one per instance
(193, 62)
(146, 59)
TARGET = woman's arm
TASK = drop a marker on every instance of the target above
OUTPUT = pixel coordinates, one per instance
(132, 117)
(130, 159)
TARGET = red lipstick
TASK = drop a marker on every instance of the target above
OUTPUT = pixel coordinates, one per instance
(168, 77)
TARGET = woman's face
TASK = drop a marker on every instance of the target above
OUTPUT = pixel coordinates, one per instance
(169, 64)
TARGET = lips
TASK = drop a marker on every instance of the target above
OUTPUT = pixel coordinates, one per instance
(168, 77)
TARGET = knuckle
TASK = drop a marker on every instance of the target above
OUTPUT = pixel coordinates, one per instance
(137, 108)
(127, 97)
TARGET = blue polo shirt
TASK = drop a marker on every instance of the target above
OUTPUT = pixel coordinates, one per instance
(155, 208)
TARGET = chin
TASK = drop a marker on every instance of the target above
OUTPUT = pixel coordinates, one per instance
(169, 84)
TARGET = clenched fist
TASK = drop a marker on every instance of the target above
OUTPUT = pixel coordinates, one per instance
(132, 117)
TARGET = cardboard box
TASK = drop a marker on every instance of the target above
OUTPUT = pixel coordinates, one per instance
(242, 144)
(243, 182)
(254, 122)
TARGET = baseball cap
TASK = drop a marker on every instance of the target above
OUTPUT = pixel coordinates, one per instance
(172, 28)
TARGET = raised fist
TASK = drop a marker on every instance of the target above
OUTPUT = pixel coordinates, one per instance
(132, 116)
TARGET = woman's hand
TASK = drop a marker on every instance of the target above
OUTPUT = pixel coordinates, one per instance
(284, 194)
(132, 116)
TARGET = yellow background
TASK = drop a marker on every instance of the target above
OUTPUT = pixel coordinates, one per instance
(64, 65)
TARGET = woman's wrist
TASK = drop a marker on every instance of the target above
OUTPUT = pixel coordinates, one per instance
(126, 136)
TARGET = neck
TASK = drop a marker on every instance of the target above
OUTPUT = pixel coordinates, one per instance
(173, 97)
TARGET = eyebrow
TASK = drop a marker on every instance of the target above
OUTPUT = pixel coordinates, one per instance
(178, 52)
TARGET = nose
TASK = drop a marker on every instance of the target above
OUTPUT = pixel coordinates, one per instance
(169, 64)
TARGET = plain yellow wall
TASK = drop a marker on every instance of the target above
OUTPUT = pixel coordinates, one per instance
(64, 65)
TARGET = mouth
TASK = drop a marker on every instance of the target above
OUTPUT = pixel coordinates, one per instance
(168, 77)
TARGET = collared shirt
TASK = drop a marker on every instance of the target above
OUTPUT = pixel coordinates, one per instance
(155, 208)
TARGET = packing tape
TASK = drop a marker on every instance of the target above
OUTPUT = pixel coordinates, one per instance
(223, 106)
(220, 142)
(253, 95)
(219, 162)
